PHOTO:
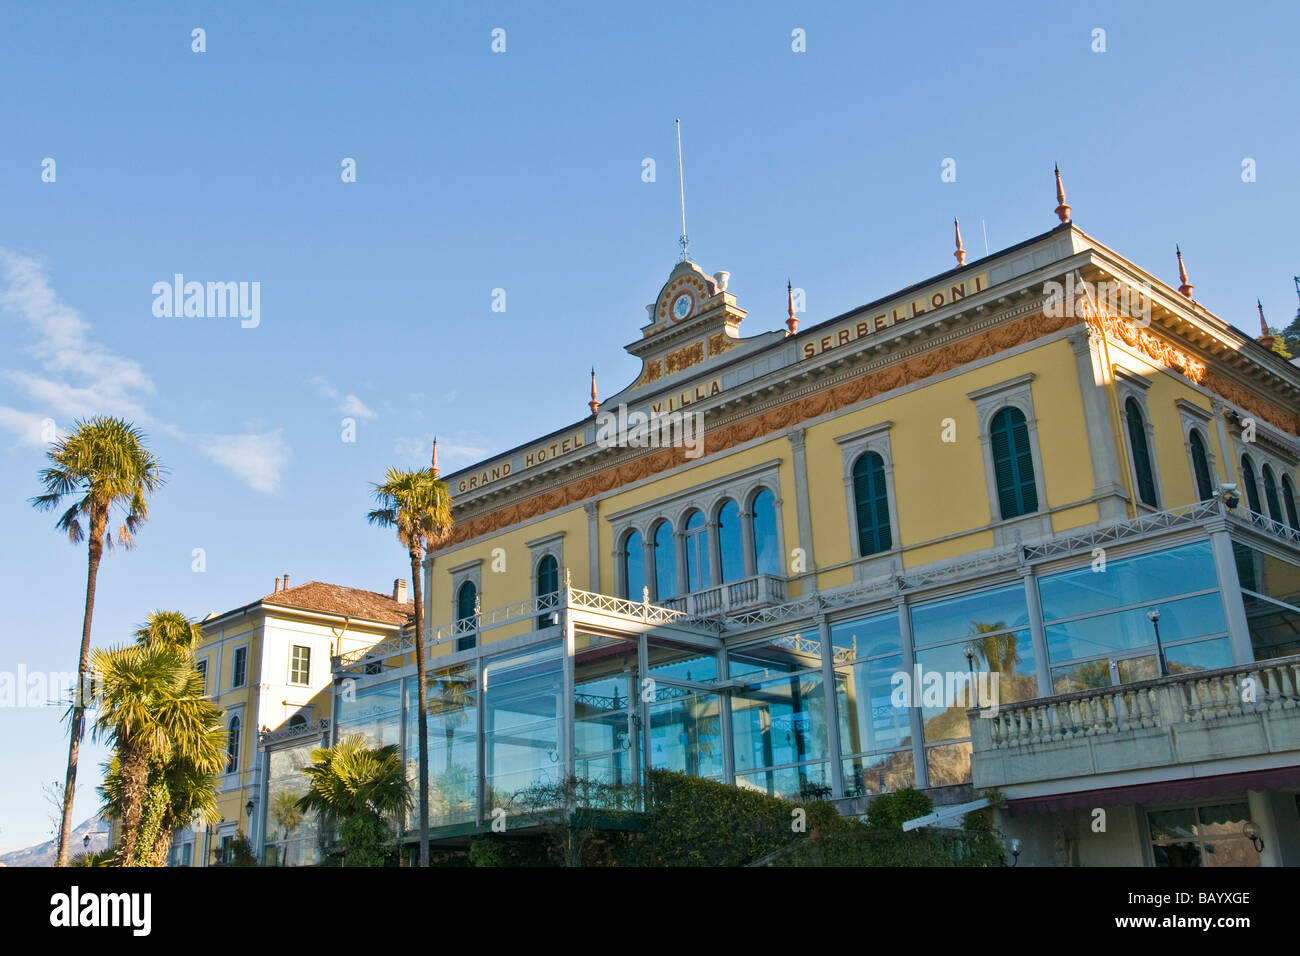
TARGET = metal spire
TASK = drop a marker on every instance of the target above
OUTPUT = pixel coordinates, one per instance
(960, 254)
(1062, 210)
(594, 403)
(681, 187)
(1186, 287)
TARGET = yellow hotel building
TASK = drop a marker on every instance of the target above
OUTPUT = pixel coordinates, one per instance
(1046, 473)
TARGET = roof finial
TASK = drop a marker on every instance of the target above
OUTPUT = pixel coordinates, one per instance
(594, 403)
(791, 323)
(433, 461)
(960, 253)
(1062, 210)
(1265, 336)
(1186, 287)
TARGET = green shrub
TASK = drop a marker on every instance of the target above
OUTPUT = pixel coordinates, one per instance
(365, 839)
(890, 811)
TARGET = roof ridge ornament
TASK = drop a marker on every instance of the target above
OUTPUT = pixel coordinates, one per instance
(1062, 209)
(1265, 336)
(681, 188)
(960, 254)
(791, 322)
(433, 462)
(1186, 287)
(594, 403)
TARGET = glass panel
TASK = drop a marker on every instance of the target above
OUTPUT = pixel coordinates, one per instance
(767, 554)
(948, 764)
(686, 732)
(868, 717)
(809, 782)
(292, 837)
(634, 567)
(866, 637)
(1200, 656)
(777, 655)
(523, 706)
(778, 722)
(697, 553)
(604, 691)
(375, 711)
(1222, 841)
(453, 744)
(1138, 668)
(1172, 825)
(1132, 629)
(1274, 629)
(731, 546)
(1147, 577)
(879, 773)
(1267, 575)
(1086, 676)
(665, 562)
(670, 661)
(970, 614)
(1004, 672)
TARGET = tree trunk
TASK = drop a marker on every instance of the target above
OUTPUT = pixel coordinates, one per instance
(77, 728)
(422, 680)
(162, 843)
(134, 773)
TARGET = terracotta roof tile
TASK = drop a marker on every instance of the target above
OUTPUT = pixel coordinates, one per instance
(349, 602)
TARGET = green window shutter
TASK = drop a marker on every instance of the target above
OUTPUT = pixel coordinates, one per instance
(1201, 466)
(1270, 494)
(1248, 478)
(1013, 464)
(1288, 498)
(1137, 436)
(871, 501)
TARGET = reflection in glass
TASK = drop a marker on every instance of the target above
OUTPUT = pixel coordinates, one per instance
(292, 836)
(634, 566)
(1127, 581)
(374, 711)
(523, 706)
(778, 722)
(604, 738)
(1130, 630)
(767, 554)
(948, 764)
(665, 562)
(697, 553)
(957, 618)
(670, 661)
(453, 744)
(731, 546)
(878, 773)
(686, 732)
(1004, 672)
(808, 782)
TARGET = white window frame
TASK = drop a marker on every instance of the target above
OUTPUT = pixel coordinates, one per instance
(292, 649)
(1013, 393)
(852, 447)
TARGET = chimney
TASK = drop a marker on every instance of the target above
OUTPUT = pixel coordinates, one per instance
(277, 586)
(399, 590)
(286, 582)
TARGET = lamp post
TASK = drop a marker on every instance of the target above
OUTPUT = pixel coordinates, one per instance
(1153, 616)
(85, 842)
(972, 699)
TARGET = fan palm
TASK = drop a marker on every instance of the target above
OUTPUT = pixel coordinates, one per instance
(418, 506)
(104, 466)
(351, 778)
(152, 709)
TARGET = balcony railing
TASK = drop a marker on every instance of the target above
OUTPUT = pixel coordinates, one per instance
(1244, 710)
(758, 591)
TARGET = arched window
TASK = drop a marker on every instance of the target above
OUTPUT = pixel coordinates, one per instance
(665, 562)
(1288, 499)
(871, 502)
(697, 553)
(297, 720)
(1137, 437)
(232, 746)
(548, 584)
(634, 566)
(1201, 467)
(767, 553)
(731, 545)
(466, 615)
(1248, 479)
(1013, 463)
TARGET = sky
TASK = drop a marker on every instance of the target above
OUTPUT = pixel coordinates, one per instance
(814, 142)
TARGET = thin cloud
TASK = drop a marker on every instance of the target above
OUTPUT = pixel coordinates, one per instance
(77, 377)
(356, 408)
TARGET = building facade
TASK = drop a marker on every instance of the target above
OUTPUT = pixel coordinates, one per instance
(267, 667)
(1027, 525)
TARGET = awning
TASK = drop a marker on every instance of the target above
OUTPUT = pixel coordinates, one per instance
(1164, 791)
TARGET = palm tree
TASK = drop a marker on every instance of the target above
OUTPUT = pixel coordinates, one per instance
(105, 466)
(418, 506)
(152, 709)
(357, 786)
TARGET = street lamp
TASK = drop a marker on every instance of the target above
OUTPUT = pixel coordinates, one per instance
(972, 699)
(85, 842)
(1153, 616)
(248, 809)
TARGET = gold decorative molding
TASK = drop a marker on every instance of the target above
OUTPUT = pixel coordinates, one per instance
(720, 342)
(684, 358)
(1149, 344)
